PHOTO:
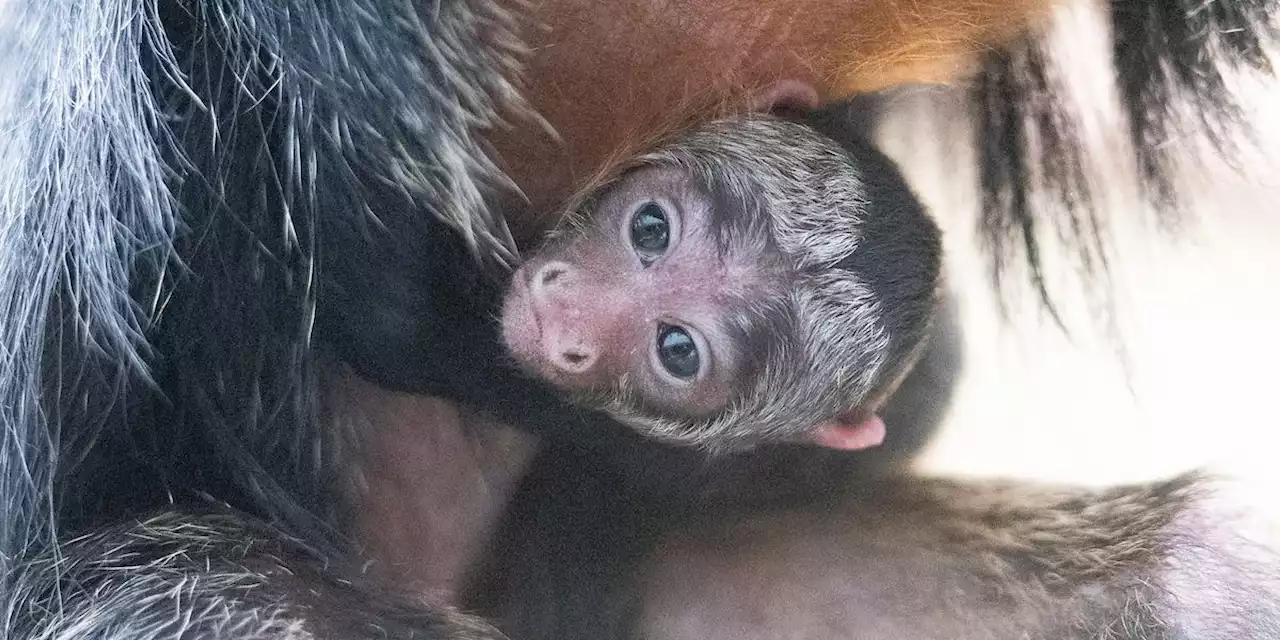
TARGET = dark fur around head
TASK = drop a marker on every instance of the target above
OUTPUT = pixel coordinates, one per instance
(1173, 60)
(860, 285)
(195, 196)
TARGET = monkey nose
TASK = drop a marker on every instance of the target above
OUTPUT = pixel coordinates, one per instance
(574, 360)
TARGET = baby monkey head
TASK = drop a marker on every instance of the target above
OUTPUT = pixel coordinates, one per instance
(750, 280)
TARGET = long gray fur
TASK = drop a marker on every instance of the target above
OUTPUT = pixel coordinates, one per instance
(103, 127)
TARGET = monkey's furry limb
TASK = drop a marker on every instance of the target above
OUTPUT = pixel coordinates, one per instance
(212, 576)
(167, 170)
(975, 560)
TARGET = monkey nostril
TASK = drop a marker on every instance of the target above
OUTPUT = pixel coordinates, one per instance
(551, 274)
(576, 361)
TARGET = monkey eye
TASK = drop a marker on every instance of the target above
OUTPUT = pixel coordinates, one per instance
(677, 352)
(650, 232)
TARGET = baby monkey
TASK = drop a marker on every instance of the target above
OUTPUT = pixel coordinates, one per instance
(750, 280)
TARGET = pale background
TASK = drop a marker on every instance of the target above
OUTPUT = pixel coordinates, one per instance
(1199, 313)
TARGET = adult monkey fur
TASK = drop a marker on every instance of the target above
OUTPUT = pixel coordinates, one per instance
(200, 231)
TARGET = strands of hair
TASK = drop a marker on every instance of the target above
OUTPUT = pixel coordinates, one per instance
(83, 200)
(1171, 58)
(177, 182)
(1183, 50)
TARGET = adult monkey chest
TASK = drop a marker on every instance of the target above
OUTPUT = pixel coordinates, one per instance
(608, 80)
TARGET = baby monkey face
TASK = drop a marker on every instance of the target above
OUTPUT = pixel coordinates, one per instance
(751, 281)
(635, 300)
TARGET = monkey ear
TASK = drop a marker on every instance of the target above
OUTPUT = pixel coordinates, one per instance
(850, 434)
(784, 96)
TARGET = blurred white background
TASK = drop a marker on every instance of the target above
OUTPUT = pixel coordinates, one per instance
(1198, 311)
